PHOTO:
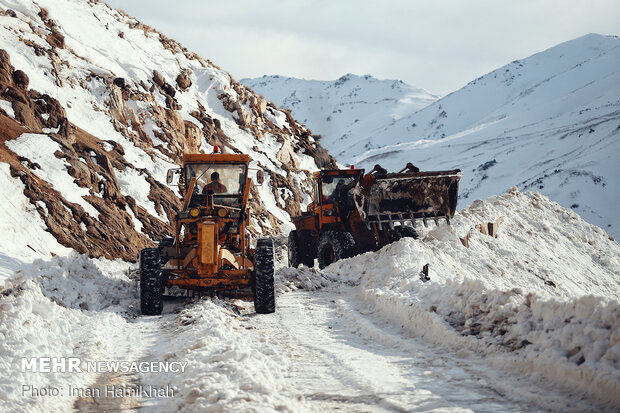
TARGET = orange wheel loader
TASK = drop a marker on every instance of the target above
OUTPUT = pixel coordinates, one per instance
(353, 212)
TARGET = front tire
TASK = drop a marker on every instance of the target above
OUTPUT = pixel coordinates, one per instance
(264, 292)
(295, 256)
(402, 231)
(335, 245)
(151, 283)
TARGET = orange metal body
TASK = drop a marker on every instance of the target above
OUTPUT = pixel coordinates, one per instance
(324, 214)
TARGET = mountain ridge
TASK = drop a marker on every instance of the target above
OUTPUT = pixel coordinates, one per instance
(344, 108)
(548, 122)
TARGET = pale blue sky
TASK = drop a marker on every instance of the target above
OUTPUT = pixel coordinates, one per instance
(439, 45)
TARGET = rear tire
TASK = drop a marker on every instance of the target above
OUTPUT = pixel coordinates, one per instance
(263, 280)
(402, 231)
(335, 245)
(295, 256)
(151, 282)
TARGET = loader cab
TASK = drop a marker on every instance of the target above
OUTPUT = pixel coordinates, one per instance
(327, 194)
(327, 185)
(331, 185)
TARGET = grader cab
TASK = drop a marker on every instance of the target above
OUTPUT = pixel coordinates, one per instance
(210, 249)
(353, 212)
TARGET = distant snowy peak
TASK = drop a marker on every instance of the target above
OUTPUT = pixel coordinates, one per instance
(549, 122)
(343, 111)
(567, 77)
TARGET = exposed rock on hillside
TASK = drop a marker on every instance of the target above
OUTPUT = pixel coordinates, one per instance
(99, 106)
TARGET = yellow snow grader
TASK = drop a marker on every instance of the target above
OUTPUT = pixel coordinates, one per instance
(353, 212)
(210, 249)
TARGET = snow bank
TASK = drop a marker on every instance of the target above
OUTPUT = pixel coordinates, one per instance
(78, 282)
(539, 298)
(46, 310)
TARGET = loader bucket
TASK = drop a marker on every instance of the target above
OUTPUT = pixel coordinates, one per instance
(409, 196)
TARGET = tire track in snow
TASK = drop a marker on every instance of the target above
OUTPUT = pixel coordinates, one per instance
(341, 360)
(137, 341)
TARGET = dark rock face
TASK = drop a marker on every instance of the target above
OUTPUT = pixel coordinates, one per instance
(183, 80)
(158, 79)
(169, 90)
(21, 79)
(6, 70)
(112, 234)
(56, 39)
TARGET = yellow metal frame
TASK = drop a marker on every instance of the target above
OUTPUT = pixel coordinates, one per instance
(200, 267)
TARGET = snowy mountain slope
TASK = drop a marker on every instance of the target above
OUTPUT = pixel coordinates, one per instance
(97, 106)
(343, 111)
(550, 123)
(488, 332)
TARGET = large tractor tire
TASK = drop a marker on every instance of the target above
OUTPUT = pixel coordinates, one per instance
(264, 292)
(151, 282)
(164, 243)
(335, 245)
(403, 231)
(295, 255)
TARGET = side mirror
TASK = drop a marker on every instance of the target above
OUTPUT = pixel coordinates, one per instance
(173, 175)
(259, 177)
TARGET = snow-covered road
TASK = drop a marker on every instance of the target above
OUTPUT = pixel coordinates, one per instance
(527, 321)
(342, 360)
(332, 357)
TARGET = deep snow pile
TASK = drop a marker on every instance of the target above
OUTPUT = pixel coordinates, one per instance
(79, 307)
(540, 298)
(67, 307)
(228, 368)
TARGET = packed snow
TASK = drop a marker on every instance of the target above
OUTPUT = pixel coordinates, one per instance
(542, 297)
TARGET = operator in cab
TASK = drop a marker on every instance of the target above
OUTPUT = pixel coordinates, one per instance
(215, 185)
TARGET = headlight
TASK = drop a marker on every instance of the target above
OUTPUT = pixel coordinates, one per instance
(194, 212)
(222, 212)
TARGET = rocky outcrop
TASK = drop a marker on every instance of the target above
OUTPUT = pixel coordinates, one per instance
(112, 234)
(149, 124)
(32, 109)
(184, 80)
